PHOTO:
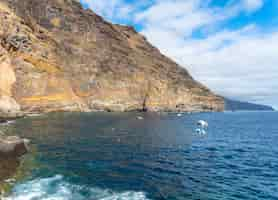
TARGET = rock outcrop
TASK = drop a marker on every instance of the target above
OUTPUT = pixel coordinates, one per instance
(57, 56)
(9, 109)
(11, 149)
(12, 146)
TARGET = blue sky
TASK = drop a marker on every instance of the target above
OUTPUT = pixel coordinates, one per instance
(229, 45)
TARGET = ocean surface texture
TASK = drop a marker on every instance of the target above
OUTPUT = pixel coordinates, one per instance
(135, 156)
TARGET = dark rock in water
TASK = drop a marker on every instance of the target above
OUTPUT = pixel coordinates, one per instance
(8, 166)
(5, 117)
(57, 56)
(13, 146)
(11, 149)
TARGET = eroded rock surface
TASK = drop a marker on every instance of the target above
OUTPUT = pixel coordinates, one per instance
(56, 56)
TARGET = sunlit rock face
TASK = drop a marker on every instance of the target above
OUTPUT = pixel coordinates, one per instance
(56, 56)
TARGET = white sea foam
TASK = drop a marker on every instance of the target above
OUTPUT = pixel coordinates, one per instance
(55, 188)
(7, 123)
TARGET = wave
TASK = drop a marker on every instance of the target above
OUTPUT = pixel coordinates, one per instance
(7, 123)
(55, 188)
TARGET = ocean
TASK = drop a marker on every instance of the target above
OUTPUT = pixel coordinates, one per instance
(137, 156)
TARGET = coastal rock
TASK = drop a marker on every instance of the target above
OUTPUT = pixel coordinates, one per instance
(11, 149)
(9, 109)
(58, 56)
(13, 146)
(8, 167)
(8, 104)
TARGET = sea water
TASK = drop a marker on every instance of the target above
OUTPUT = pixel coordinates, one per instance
(137, 156)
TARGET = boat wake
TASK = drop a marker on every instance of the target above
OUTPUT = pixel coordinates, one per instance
(55, 188)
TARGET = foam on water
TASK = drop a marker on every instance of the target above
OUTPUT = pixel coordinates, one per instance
(56, 188)
(7, 123)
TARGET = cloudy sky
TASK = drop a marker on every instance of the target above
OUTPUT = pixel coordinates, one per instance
(229, 45)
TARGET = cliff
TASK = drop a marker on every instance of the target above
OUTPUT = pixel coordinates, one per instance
(57, 56)
(232, 105)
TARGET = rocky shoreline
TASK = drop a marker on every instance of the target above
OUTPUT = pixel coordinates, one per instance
(12, 148)
(5, 117)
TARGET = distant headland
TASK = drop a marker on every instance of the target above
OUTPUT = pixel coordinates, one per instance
(233, 105)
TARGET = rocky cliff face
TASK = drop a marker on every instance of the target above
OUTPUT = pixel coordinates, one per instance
(56, 56)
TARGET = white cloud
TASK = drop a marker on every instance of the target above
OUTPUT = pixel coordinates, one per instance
(115, 10)
(245, 69)
(182, 17)
(111, 10)
(252, 5)
(241, 64)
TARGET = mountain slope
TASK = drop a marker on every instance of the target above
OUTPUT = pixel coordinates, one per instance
(232, 105)
(56, 56)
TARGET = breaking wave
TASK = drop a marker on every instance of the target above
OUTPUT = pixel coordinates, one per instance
(56, 188)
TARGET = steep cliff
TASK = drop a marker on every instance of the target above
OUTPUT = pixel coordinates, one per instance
(57, 56)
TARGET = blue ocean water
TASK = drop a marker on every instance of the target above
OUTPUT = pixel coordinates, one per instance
(120, 156)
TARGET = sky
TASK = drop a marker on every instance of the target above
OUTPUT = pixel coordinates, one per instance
(231, 46)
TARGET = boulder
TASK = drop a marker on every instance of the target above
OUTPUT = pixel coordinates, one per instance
(11, 149)
(8, 105)
(13, 146)
(8, 167)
